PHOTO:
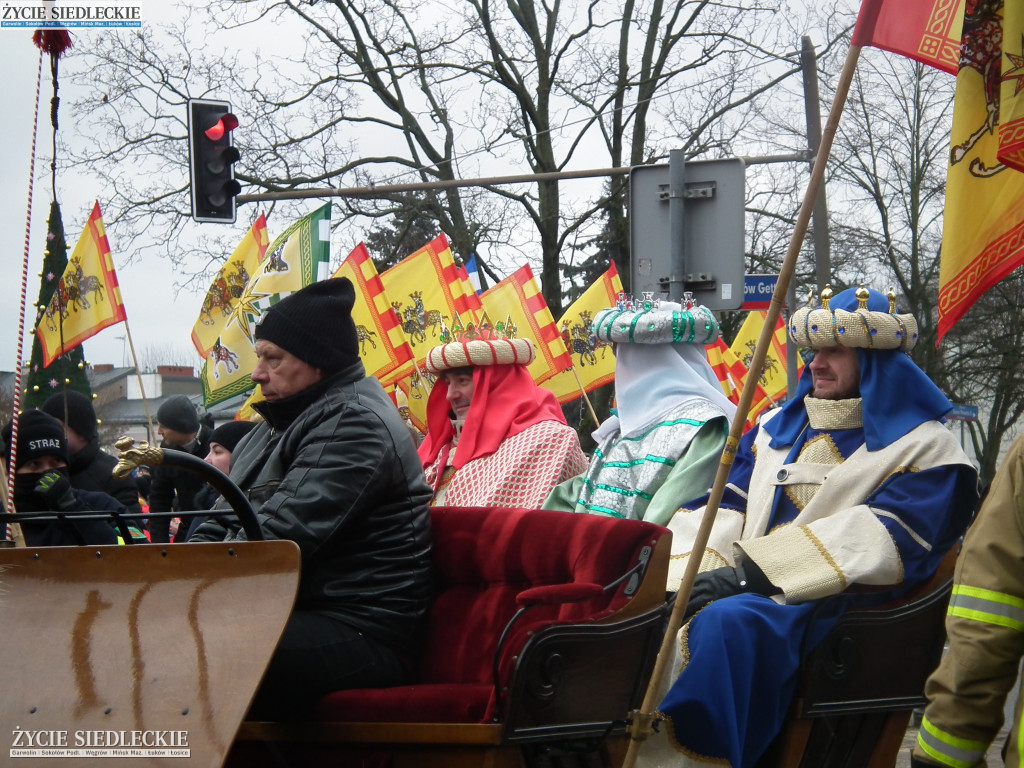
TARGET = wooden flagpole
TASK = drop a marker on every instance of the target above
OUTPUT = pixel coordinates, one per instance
(150, 432)
(586, 399)
(641, 723)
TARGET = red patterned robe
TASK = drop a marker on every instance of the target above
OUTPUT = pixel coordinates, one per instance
(520, 473)
(514, 448)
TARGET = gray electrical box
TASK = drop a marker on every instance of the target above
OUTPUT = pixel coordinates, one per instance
(687, 230)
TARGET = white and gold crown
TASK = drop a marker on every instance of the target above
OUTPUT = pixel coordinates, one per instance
(651, 321)
(479, 345)
(861, 328)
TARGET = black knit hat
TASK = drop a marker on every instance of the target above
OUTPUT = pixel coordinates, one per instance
(39, 434)
(230, 433)
(315, 324)
(178, 413)
(80, 414)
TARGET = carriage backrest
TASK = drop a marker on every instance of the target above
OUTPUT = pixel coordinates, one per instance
(483, 558)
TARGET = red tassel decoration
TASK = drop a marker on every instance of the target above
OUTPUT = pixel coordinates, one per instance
(55, 42)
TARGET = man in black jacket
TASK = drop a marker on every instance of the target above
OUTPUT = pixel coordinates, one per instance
(333, 468)
(173, 488)
(91, 469)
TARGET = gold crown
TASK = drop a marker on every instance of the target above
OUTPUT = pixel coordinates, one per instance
(862, 328)
(479, 344)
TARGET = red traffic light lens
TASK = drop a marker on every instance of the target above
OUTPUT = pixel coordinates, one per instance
(227, 122)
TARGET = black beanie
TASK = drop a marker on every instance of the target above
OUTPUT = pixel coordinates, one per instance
(178, 413)
(81, 416)
(39, 434)
(230, 433)
(315, 324)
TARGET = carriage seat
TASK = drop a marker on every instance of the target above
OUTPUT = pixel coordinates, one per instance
(543, 625)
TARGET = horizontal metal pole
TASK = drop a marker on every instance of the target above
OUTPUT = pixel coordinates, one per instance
(419, 186)
(487, 181)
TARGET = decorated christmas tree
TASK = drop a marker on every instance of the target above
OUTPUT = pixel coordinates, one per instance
(67, 371)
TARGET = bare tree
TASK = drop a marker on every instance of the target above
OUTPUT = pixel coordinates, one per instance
(167, 353)
(382, 89)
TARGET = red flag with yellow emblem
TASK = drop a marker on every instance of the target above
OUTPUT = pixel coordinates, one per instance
(924, 30)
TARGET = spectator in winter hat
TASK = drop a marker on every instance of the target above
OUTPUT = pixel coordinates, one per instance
(223, 440)
(90, 469)
(173, 489)
(42, 484)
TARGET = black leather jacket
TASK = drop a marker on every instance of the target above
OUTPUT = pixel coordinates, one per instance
(333, 469)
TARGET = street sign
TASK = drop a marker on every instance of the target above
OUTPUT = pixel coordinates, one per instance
(757, 291)
(686, 230)
(963, 412)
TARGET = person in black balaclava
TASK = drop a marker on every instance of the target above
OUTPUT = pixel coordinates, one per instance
(42, 484)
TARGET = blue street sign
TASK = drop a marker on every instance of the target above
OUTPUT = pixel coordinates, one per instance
(757, 291)
(963, 412)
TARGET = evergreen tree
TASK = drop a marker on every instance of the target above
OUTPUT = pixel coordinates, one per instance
(410, 227)
(68, 370)
(610, 244)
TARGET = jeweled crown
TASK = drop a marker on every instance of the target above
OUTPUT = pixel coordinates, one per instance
(479, 344)
(862, 328)
(649, 321)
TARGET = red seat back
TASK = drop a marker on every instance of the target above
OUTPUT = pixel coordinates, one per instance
(483, 558)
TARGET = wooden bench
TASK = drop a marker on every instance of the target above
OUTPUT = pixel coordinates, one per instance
(140, 638)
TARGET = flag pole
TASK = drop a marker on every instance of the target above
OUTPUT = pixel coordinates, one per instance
(586, 399)
(150, 432)
(12, 531)
(641, 722)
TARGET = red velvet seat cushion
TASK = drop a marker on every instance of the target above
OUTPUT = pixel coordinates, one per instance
(483, 559)
(440, 703)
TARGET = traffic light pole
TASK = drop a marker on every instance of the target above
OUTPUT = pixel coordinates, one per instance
(486, 181)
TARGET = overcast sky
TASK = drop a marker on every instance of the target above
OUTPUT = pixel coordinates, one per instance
(159, 318)
(156, 317)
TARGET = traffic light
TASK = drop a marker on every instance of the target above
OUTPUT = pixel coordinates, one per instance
(211, 160)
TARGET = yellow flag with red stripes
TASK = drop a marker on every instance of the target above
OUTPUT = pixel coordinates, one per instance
(383, 346)
(415, 389)
(427, 293)
(517, 307)
(593, 359)
(732, 373)
(228, 286)
(727, 367)
(87, 298)
(773, 377)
